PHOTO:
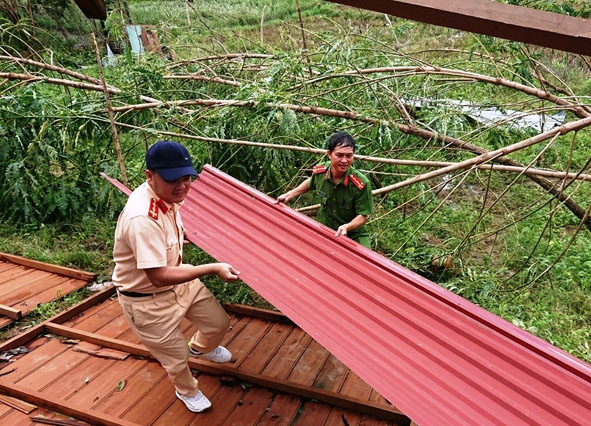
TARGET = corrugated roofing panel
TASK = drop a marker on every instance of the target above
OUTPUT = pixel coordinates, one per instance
(437, 357)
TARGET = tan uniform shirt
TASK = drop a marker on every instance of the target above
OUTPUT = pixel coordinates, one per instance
(149, 234)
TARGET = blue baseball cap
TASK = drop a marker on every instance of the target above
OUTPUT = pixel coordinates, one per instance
(170, 160)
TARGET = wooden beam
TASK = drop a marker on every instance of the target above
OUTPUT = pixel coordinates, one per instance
(261, 313)
(97, 339)
(24, 337)
(487, 17)
(62, 407)
(47, 267)
(93, 9)
(10, 312)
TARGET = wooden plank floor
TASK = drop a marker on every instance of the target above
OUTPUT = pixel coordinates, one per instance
(25, 284)
(280, 375)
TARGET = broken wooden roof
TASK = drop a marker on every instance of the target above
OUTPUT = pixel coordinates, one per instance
(86, 365)
(435, 356)
(26, 283)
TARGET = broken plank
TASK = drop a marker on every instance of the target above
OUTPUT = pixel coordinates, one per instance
(17, 404)
(265, 314)
(22, 338)
(309, 392)
(100, 351)
(64, 422)
(10, 312)
(61, 330)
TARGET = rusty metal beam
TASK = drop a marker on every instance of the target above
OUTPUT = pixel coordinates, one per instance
(487, 17)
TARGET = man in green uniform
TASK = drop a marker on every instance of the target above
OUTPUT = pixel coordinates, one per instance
(346, 192)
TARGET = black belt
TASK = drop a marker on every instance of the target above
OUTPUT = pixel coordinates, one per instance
(135, 294)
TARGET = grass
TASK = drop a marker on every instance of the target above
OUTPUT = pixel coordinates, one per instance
(85, 245)
(232, 15)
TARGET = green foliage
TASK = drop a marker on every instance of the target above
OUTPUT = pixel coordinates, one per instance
(16, 36)
(233, 15)
(53, 9)
(49, 168)
(53, 25)
(237, 292)
(47, 310)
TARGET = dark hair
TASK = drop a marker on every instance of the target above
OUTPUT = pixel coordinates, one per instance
(340, 139)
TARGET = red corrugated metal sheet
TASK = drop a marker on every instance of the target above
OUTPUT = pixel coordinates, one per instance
(437, 357)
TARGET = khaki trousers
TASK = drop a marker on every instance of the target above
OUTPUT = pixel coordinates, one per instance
(156, 319)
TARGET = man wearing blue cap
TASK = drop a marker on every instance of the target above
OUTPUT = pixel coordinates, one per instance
(156, 290)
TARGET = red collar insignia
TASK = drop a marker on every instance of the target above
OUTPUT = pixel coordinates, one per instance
(154, 206)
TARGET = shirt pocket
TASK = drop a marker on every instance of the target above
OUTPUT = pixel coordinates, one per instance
(172, 250)
(344, 204)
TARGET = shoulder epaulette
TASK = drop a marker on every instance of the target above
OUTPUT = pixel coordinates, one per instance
(319, 169)
(357, 182)
(155, 206)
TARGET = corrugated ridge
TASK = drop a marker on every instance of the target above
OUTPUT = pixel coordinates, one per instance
(437, 357)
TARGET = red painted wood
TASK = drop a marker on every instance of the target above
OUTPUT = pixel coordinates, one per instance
(25, 284)
(93, 9)
(54, 370)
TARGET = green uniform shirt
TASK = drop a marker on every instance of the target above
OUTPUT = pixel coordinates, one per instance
(341, 202)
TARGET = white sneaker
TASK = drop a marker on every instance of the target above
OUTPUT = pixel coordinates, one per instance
(197, 403)
(219, 354)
